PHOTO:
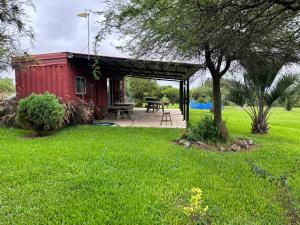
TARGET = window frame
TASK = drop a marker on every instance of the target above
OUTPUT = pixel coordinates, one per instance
(82, 82)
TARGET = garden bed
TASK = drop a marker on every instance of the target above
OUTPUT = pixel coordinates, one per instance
(239, 145)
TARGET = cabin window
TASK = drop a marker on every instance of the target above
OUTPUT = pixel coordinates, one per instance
(80, 85)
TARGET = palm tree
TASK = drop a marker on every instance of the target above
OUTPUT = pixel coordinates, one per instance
(261, 88)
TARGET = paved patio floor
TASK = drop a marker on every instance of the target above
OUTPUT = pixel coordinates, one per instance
(150, 119)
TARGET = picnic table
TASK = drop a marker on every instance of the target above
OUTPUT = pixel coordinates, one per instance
(122, 108)
(155, 105)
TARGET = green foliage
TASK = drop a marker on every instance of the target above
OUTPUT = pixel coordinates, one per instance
(13, 27)
(284, 88)
(41, 112)
(205, 130)
(6, 86)
(188, 29)
(214, 33)
(204, 92)
(138, 89)
(165, 99)
(196, 212)
(261, 89)
(96, 69)
(172, 94)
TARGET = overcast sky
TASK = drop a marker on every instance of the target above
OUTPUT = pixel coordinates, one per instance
(57, 28)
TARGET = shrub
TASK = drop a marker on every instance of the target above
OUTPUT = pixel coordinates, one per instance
(77, 112)
(41, 112)
(165, 99)
(195, 210)
(139, 103)
(8, 111)
(205, 130)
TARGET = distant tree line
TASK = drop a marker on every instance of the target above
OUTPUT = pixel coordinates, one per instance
(138, 89)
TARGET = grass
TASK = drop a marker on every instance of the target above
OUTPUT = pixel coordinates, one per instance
(103, 175)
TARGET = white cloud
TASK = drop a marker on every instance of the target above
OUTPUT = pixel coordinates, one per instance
(57, 28)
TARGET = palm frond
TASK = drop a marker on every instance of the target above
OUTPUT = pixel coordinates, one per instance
(285, 87)
(261, 71)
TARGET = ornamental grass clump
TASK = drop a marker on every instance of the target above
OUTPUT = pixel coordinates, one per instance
(8, 111)
(41, 112)
(77, 112)
(195, 210)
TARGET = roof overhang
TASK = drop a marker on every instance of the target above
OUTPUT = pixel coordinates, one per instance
(120, 67)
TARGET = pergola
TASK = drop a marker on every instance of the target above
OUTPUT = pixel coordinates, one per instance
(116, 67)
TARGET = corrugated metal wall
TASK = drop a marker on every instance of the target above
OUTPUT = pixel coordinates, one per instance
(41, 78)
(102, 96)
(56, 74)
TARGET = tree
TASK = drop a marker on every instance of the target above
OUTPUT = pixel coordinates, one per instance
(214, 33)
(13, 27)
(261, 89)
(138, 89)
(6, 86)
(293, 5)
(203, 93)
(172, 94)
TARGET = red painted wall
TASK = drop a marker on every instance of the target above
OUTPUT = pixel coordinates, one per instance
(56, 74)
(45, 75)
(101, 90)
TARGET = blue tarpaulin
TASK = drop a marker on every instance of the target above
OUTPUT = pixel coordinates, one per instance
(200, 105)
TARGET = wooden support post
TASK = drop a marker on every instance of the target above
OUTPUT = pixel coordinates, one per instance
(188, 100)
(184, 100)
(181, 96)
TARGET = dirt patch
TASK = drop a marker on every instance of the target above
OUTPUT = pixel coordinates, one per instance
(34, 135)
(29, 136)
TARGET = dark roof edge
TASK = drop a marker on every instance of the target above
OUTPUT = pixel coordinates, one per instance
(80, 55)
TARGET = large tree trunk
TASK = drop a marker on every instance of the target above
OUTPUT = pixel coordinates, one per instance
(217, 73)
(217, 103)
(260, 124)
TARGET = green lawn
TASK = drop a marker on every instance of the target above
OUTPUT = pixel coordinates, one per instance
(110, 175)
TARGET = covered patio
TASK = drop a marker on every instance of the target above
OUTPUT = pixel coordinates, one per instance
(142, 118)
(118, 68)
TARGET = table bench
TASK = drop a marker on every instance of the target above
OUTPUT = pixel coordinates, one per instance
(154, 105)
(118, 110)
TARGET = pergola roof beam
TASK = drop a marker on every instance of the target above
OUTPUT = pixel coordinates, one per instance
(141, 68)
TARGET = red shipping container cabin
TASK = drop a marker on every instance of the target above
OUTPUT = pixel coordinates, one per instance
(68, 76)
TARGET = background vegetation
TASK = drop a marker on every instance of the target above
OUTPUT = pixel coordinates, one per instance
(138, 89)
(7, 86)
